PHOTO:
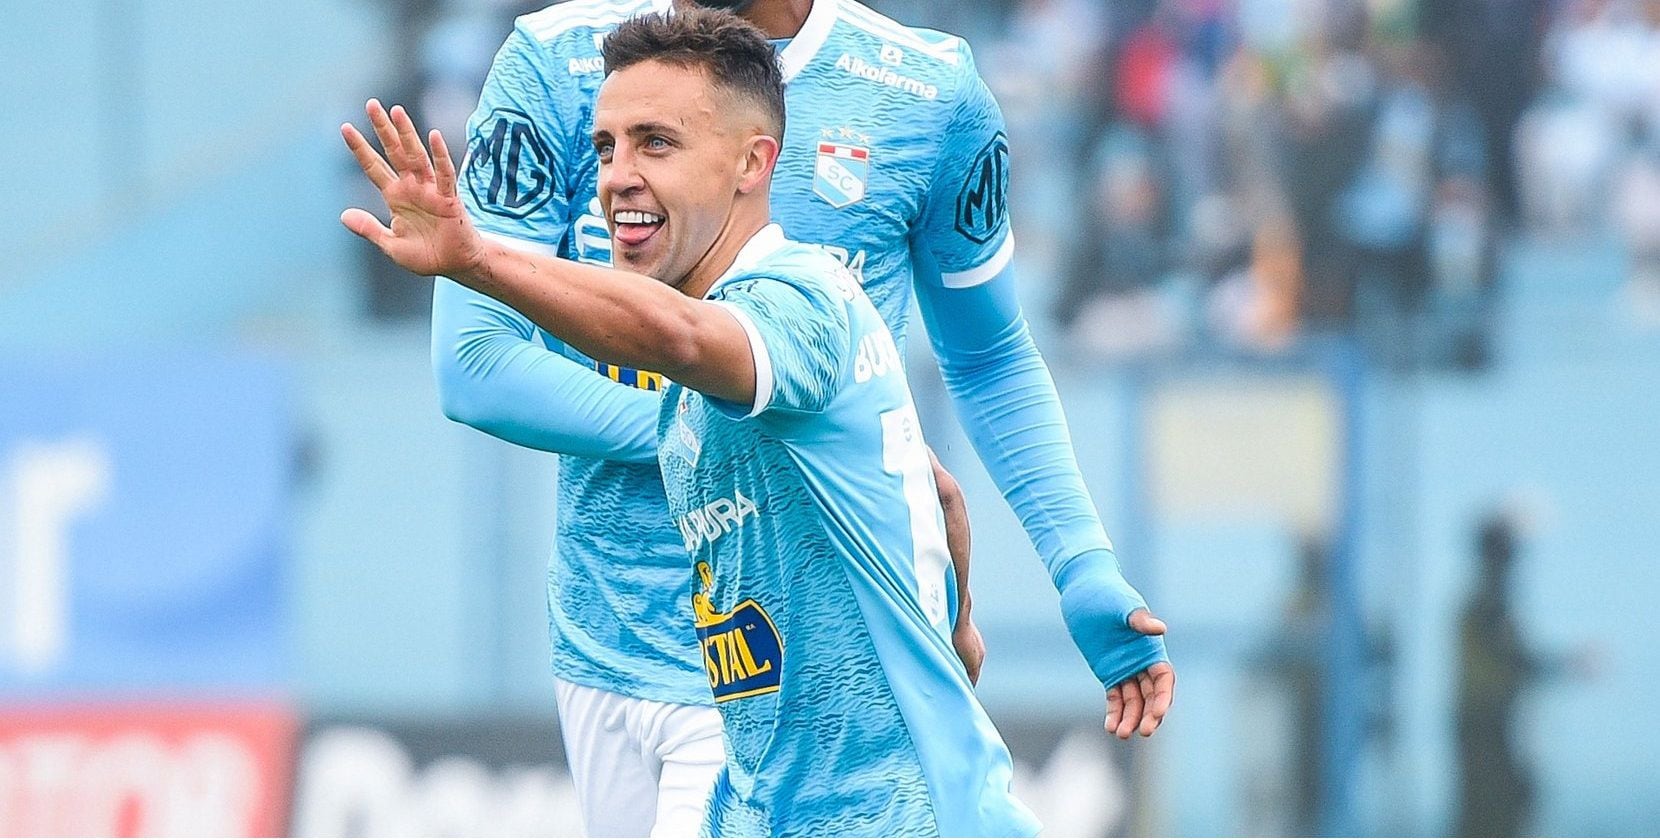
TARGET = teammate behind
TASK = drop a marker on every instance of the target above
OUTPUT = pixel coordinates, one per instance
(788, 442)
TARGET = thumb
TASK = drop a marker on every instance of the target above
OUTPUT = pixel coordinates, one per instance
(364, 224)
(1143, 622)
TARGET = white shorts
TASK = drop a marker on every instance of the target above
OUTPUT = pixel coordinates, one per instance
(641, 768)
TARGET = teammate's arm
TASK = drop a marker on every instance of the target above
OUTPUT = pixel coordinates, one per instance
(492, 370)
(495, 375)
(606, 313)
(959, 543)
(1006, 400)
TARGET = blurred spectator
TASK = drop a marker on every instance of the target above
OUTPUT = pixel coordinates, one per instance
(1637, 212)
(1496, 666)
(1493, 48)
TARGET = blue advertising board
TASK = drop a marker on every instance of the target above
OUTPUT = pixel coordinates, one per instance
(143, 514)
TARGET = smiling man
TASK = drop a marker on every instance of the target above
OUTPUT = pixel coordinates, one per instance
(896, 161)
(788, 442)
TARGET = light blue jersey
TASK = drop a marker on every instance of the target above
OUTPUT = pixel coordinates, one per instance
(894, 157)
(822, 606)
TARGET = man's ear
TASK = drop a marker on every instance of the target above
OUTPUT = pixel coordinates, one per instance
(760, 156)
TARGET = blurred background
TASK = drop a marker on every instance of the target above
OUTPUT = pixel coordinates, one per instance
(1354, 306)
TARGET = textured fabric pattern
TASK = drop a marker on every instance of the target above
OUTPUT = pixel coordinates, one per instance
(815, 530)
(636, 600)
(805, 374)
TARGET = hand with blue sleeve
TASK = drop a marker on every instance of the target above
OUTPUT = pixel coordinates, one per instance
(1006, 400)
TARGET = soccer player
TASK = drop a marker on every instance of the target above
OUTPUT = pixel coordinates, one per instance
(895, 159)
(789, 444)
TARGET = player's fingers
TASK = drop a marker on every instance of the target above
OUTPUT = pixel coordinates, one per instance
(364, 224)
(1148, 722)
(1164, 690)
(420, 164)
(1132, 709)
(387, 135)
(374, 166)
(1115, 709)
(1142, 621)
(446, 166)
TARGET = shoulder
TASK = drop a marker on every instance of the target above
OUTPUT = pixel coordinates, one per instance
(934, 66)
(808, 269)
(575, 28)
(577, 16)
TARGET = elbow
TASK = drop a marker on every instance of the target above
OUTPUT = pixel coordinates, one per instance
(950, 492)
(459, 397)
(1013, 350)
(679, 343)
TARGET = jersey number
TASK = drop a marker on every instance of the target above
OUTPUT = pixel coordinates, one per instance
(904, 455)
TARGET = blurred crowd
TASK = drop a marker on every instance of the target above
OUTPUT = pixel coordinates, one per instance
(1247, 173)
(1244, 175)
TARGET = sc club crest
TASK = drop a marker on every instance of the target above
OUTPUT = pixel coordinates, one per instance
(842, 170)
(742, 650)
(683, 440)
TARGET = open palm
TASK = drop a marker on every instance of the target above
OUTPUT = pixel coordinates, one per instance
(430, 233)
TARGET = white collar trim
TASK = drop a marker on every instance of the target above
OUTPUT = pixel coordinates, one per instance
(815, 30)
(761, 245)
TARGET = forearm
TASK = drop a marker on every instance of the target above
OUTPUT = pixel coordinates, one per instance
(493, 373)
(959, 541)
(622, 318)
(1007, 403)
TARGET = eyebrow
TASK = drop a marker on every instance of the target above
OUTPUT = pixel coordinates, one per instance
(639, 129)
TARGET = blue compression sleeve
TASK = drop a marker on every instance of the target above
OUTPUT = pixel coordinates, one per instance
(495, 375)
(1006, 401)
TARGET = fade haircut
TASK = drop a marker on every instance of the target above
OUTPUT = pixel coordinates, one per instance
(734, 54)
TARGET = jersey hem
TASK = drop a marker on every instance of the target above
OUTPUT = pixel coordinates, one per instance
(635, 689)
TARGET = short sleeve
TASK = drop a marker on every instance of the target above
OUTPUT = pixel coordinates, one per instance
(965, 224)
(513, 179)
(799, 336)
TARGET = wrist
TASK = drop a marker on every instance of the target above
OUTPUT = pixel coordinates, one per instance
(472, 268)
(1092, 563)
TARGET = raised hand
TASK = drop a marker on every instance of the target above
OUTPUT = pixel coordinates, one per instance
(1139, 703)
(430, 232)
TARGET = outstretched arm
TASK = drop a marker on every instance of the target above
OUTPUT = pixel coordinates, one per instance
(495, 374)
(608, 314)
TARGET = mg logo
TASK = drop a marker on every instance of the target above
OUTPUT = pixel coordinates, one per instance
(984, 199)
(509, 166)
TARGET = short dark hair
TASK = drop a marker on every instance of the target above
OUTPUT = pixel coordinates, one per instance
(736, 55)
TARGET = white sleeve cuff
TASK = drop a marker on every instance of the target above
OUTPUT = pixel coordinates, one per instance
(982, 272)
(757, 351)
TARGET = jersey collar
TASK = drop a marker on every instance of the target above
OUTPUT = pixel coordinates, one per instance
(760, 246)
(815, 30)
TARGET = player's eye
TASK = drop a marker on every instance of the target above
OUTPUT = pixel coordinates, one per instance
(657, 143)
(604, 150)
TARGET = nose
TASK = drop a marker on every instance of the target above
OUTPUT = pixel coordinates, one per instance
(622, 175)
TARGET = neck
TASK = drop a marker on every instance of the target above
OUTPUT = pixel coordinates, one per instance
(740, 226)
(779, 18)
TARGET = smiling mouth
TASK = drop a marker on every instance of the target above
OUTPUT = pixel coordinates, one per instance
(634, 228)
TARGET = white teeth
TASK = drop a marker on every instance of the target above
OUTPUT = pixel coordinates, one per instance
(637, 217)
